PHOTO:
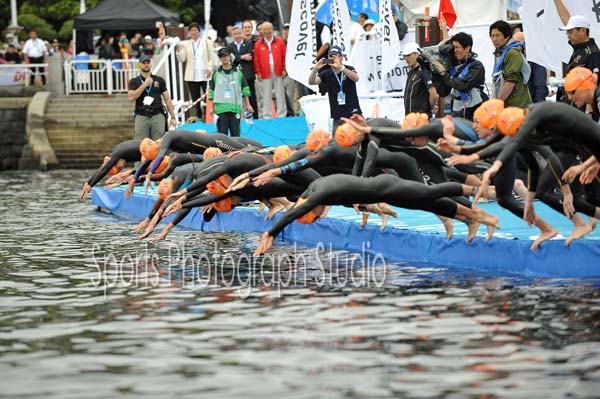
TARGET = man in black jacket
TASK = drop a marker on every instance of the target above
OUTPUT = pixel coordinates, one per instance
(243, 50)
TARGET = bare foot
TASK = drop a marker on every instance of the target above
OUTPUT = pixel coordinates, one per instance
(143, 224)
(546, 234)
(365, 218)
(581, 229)
(448, 226)
(490, 233)
(266, 242)
(387, 210)
(486, 218)
(593, 222)
(473, 227)
(384, 221)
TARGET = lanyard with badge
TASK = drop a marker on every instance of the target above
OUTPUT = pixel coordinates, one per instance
(148, 100)
(341, 97)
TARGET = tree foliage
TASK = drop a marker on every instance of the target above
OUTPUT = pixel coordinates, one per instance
(52, 16)
(43, 29)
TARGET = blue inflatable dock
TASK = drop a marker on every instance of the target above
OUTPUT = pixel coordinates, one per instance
(414, 237)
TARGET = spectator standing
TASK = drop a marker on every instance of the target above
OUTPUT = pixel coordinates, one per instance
(148, 46)
(148, 91)
(35, 50)
(357, 27)
(340, 81)
(538, 81)
(511, 70)
(465, 81)
(12, 56)
(401, 27)
(419, 94)
(199, 58)
(585, 50)
(106, 49)
(243, 50)
(288, 83)
(230, 93)
(269, 65)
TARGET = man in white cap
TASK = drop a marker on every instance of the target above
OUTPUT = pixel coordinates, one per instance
(419, 93)
(585, 50)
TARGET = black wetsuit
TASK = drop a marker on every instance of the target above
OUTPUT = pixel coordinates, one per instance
(128, 150)
(276, 188)
(193, 142)
(557, 124)
(347, 190)
(179, 159)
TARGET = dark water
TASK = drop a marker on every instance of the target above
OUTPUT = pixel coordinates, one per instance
(86, 311)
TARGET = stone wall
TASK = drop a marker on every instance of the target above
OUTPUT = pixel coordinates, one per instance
(13, 135)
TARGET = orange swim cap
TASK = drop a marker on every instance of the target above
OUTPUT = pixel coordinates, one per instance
(580, 78)
(219, 185)
(308, 218)
(510, 120)
(345, 135)
(149, 148)
(317, 138)
(114, 170)
(488, 112)
(410, 121)
(212, 152)
(165, 187)
(224, 205)
(163, 164)
(282, 153)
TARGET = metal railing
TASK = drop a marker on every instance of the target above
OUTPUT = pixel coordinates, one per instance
(98, 76)
(20, 74)
(171, 70)
(112, 76)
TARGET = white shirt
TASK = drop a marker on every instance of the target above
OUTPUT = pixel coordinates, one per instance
(35, 48)
(198, 53)
(271, 60)
(355, 31)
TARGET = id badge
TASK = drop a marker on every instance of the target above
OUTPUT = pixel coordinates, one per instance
(341, 98)
(228, 92)
(148, 100)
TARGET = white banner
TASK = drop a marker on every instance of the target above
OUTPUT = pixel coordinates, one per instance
(388, 105)
(366, 58)
(341, 25)
(546, 44)
(13, 76)
(390, 43)
(301, 50)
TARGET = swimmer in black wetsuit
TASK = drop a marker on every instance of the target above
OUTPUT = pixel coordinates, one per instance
(193, 142)
(345, 189)
(127, 151)
(581, 85)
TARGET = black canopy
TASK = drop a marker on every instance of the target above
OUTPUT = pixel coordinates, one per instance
(125, 15)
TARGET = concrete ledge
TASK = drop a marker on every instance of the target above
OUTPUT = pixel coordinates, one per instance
(42, 154)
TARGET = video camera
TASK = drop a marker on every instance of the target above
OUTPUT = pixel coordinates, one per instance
(442, 52)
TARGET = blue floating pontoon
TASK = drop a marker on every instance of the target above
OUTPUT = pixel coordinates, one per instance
(414, 237)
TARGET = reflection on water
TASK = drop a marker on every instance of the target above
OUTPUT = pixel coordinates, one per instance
(87, 311)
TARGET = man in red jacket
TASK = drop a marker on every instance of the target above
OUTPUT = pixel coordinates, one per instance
(269, 65)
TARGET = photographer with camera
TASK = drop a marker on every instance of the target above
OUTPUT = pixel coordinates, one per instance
(419, 93)
(465, 78)
(340, 81)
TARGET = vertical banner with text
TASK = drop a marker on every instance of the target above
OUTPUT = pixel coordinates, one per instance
(341, 26)
(390, 43)
(301, 51)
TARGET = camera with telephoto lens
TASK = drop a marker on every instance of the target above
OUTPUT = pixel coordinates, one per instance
(442, 52)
